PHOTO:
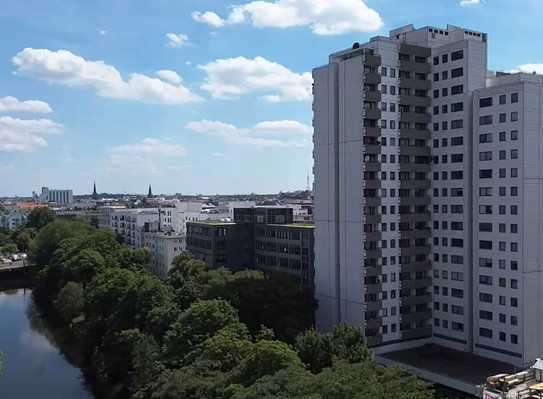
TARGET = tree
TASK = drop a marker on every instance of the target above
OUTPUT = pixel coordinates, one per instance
(314, 350)
(199, 322)
(8, 249)
(266, 358)
(70, 301)
(40, 217)
(23, 238)
(48, 239)
(347, 343)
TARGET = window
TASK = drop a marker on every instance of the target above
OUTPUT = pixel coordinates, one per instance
(502, 136)
(444, 109)
(514, 97)
(456, 326)
(502, 99)
(485, 209)
(436, 60)
(485, 173)
(514, 338)
(444, 92)
(460, 141)
(503, 117)
(514, 302)
(383, 71)
(457, 72)
(485, 102)
(501, 172)
(485, 244)
(457, 55)
(436, 93)
(458, 89)
(455, 309)
(457, 293)
(483, 297)
(485, 315)
(485, 332)
(444, 75)
(514, 135)
(485, 262)
(514, 284)
(485, 138)
(514, 116)
(485, 156)
(485, 280)
(456, 158)
(485, 227)
(502, 336)
(457, 107)
(445, 58)
(457, 192)
(502, 154)
(457, 175)
(457, 124)
(485, 191)
(485, 120)
(457, 243)
(436, 77)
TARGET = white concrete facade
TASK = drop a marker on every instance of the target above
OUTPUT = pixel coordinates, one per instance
(484, 272)
(59, 197)
(163, 248)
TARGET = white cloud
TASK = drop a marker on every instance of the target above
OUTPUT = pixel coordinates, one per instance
(209, 18)
(529, 68)
(324, 17)
(178, 168)
(12, 104)
(143, 156)
(25, 135)
(233, 77)
(65, 68)
(234, 135)
(177, 40)
(103, 32)
(217, 154)
(285, 126)
(169, 76)
(464, 3)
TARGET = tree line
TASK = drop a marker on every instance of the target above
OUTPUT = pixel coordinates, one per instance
(201, 333)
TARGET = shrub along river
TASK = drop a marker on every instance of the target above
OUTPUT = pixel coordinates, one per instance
(35, 364)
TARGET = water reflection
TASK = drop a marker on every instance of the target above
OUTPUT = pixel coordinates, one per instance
(33, 364)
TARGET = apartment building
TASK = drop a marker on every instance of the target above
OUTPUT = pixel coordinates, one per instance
(130, 224)
(416, 181)
(507, 209)
(163, 247)
(264, 238)
(12, 219)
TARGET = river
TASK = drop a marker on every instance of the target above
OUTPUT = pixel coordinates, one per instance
(34, 366)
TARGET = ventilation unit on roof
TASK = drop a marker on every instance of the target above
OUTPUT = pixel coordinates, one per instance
(356, 45)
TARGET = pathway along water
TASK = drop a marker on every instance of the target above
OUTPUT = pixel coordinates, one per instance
(34, 366)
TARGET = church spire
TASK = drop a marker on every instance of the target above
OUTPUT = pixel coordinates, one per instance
(94, 193)
(150, 193)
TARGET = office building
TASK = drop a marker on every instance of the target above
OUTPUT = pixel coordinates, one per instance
(264, 238)
(427, 195)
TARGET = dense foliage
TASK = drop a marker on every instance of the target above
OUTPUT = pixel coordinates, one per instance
(202, 333)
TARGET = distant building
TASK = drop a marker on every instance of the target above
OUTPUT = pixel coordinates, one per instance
(59, 197)
(163, 248)
(264, 238)
(130, 223)
(13, 219)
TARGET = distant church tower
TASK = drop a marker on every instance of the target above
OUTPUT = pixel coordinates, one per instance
(150, 193)
(94, 193)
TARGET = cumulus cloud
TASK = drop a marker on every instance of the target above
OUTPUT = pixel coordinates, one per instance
(285, 127)
(529, 68)
(465, 3)
(324, 17)
(13, 104)
(65, 68)
(103, 32)
(25, 135)
(169, 76)
(143, 156)
(234, 135)
(176, 40)
(233, 77)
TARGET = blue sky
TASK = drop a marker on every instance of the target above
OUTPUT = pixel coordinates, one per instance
(195, 96)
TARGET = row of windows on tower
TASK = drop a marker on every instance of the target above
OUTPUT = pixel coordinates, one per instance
(455, 124)
(489, 263)
(391, 261)
(444, 92)
(502, 173)
(502, 100)
(502, 118)
(455, 56)
(489, 209)
(502, 136)
(454, 73)
(455, 325)
(502, 245)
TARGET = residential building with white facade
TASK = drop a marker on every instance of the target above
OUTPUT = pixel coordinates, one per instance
(163, 248)
(13, 219)
(416, 239)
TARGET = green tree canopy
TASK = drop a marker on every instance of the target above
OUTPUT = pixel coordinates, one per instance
(70, 301)
(40, 217)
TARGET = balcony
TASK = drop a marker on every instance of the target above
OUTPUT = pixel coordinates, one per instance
(416, 267)
(372, 96)
(412, 150)
(371, 184)
(372, 131)
(372, 166)
(372, 78)
(416, 300)
(372, 60)
(415, 84)
(415, 284)
(372, 201)
(421, 332)
(426, 200)
(416, 316)
(374, 323)
(421, 184)
(416, 217)
(417, 67)
(372, 148)
(372, 236)
(374, 113)
(416, 101)
(415, 117)
(415, 134)
(413, 234)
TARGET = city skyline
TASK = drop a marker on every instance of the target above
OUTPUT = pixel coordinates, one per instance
(188, 95)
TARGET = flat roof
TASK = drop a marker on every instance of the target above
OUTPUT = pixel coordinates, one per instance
(212, 222)
(466, 368)
(301, 225)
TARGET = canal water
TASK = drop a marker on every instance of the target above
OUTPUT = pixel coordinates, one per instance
(34, 366)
